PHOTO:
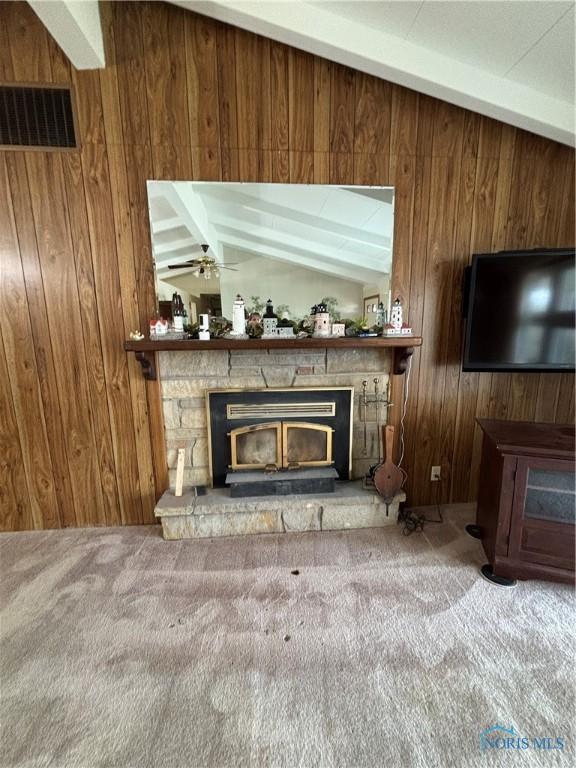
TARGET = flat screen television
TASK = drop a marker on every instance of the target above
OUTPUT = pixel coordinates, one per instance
(520, 311)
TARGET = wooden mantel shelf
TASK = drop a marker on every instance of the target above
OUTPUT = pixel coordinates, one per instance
(402, 346)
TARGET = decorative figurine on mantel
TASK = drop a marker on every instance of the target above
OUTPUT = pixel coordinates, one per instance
(204, 329)
(338, 329)
(381, 315)
(158, 327)
(238, 318)
(269, 321)
(397, 326)
(178, 313)
(322, 327)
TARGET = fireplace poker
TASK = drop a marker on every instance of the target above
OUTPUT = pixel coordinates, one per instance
(377, 402)
(365, 419)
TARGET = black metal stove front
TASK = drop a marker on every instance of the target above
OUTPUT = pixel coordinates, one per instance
(265, 430)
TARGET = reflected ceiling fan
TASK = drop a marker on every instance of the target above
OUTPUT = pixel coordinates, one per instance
(206, 266)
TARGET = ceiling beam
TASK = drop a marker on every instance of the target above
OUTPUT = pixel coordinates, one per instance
(189, 207)
(164, 250)
(311, 28)
(165, 225)
(227, 196)
(76, 27)
(275, 251)
(289, 242)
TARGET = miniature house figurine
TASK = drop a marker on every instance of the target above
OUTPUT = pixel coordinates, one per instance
(158, 326)
(238, 317)
(322, 327)
(269, 320)
(338, 329)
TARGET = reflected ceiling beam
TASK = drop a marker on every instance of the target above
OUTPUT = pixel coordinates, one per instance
(165, 225)
(289, 242)
(162, 249)
(226, 196)
(191, 210)
(275, 251)
(300, 230)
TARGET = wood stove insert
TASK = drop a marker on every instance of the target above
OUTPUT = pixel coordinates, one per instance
(279, 430)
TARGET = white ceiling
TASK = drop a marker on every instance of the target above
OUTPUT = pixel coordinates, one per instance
(522, 40)
(339, 231)
(512, 60)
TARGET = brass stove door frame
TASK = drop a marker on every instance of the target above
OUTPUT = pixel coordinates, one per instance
(277, 425)
(286, 425)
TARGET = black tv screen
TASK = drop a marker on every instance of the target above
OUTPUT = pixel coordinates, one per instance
(520, 311)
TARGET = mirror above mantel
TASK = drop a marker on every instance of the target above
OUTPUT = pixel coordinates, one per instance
(296, 244)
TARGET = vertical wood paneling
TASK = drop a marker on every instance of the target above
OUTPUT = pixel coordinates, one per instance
(373, 113)
(81, 432)
(301, 97)
(29, 46)
(163, 37)
(468, 434)
(22, 371)
(18, 176)
(322, 95)
(450, 431)
(252, 90)
(64, 320)
(342, 108)
(404, 126)
(202, 83)
(131, 73)
(15, 504)
(106, 277)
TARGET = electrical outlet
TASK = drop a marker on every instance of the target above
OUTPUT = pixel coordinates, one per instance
(435, 474)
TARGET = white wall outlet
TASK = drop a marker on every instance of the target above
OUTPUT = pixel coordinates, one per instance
(435, 474)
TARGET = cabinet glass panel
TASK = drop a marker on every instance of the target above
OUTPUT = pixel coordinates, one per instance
(550, 495)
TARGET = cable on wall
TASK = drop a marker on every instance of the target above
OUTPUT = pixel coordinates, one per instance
(403, 416)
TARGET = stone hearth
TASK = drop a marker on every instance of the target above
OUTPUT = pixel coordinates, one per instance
(217, 514)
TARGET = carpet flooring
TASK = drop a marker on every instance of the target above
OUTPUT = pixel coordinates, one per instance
(121, 650)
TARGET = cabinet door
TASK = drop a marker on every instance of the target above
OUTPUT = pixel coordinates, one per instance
(543, 512)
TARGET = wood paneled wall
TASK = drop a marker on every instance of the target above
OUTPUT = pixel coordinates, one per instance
(184, 97)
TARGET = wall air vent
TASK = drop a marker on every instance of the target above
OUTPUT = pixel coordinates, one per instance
(34, 116)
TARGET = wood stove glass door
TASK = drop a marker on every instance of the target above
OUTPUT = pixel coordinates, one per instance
(256, 447)
(305, 444)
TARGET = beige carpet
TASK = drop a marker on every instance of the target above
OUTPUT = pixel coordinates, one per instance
(120, 649)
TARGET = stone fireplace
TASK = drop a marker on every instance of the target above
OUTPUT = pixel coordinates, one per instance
(281, 392)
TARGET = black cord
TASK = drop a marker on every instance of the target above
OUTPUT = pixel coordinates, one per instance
(414, 522)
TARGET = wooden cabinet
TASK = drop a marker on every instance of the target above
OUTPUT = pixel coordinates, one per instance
(527, 500)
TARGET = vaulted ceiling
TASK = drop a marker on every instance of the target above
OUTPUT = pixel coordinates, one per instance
(512, 60)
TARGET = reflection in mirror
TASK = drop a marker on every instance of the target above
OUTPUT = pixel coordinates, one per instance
(298, 245)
